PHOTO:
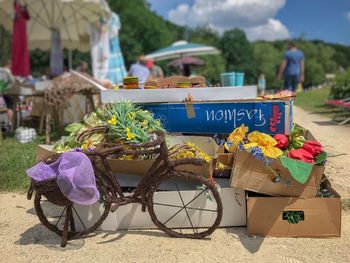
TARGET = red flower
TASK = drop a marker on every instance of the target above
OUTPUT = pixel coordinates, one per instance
(301, 155)
(282, 141)
(313, 147)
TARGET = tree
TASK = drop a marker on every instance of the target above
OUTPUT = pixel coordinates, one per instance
(142, 30)
(214, 64)
(238, 53)
(267, 58)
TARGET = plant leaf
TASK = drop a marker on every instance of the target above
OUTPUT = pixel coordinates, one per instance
(298, 169)
(321, 157)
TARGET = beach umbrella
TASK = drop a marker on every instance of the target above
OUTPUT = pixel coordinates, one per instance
(57, 24)
(186, 61)
(181, 49)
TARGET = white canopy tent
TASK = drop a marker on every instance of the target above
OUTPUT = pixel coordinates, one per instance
(71, 18)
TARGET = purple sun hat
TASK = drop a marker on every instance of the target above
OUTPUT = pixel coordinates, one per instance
(75, 177)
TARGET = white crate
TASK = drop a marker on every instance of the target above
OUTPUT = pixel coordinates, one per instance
(131, 217)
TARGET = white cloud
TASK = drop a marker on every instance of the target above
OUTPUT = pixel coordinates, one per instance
(253, 16)
(272, 30)
(348, 15)
(179, 14)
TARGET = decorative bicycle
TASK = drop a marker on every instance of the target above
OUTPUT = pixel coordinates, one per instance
(164, 171)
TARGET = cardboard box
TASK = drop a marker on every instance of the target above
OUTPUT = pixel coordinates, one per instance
(251, 174)
(131, 217)
(179, 95)
(224, 116)
(321, 216)
(227, 160)
(141, 167)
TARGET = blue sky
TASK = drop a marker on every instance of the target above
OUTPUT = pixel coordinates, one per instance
(327, 20)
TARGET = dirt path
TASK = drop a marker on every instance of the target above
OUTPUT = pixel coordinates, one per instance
(24, 239)
(336, 140)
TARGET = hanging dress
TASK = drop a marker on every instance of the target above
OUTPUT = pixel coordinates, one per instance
(20, 53)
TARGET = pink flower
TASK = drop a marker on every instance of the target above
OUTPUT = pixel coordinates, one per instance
(282, 141)
(313, 147)
(301, 155)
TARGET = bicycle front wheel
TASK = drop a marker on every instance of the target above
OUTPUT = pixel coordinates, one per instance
(191, 209)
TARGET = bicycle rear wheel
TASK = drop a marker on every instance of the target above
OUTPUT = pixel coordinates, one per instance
(193, 209)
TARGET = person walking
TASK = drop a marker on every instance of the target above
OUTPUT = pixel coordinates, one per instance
(140, 70)
(292, 67)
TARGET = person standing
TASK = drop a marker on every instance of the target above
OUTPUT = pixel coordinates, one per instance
(261, 84)
(83, 67)
(156, 72)
(7, 81)
(140, 70)
(292, 67)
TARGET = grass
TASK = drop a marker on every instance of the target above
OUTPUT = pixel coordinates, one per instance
(313, 100)
(15, 159)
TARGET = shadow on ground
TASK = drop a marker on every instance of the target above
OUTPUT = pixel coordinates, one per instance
(40, 235)
(252, 244)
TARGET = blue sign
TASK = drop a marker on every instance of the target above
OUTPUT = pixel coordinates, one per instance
(223, 117)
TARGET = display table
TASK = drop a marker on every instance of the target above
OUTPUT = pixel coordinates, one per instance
(178, 94)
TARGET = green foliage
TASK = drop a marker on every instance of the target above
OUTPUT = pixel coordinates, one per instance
(5, 45)
(142, 30)
(267, 59)
(129, 123)
(214, 64)
(298, 169)
(341, 88)
(239, 55)
(293, 217)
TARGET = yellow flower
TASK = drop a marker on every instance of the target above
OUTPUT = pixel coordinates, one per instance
(144, 124)
(158, 123)
(265, 142)
(129, 134)
(131, 116)
(235, 138)
(87, 144)
(113, 120)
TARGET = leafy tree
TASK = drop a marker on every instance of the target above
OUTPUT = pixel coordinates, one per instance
(341, 88)
(239, 55)
(142, 30)
(267, 58)
(5, 45)
(214, 64)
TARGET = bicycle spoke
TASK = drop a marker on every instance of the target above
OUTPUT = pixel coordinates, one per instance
(182, 201)
(183, 207)
(78, 217)
(191, 208)
(60, 216)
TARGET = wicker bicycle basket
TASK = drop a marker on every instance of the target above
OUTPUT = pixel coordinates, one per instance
(51, 191)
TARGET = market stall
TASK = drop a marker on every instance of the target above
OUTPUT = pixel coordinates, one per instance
(251, 162)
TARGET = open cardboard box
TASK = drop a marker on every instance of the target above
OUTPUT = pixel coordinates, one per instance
(131, 217)
(251, 174)
(141, 167)
(321, 215)
(226, 159)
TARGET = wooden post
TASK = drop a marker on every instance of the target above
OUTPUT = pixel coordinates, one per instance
(48, 125)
